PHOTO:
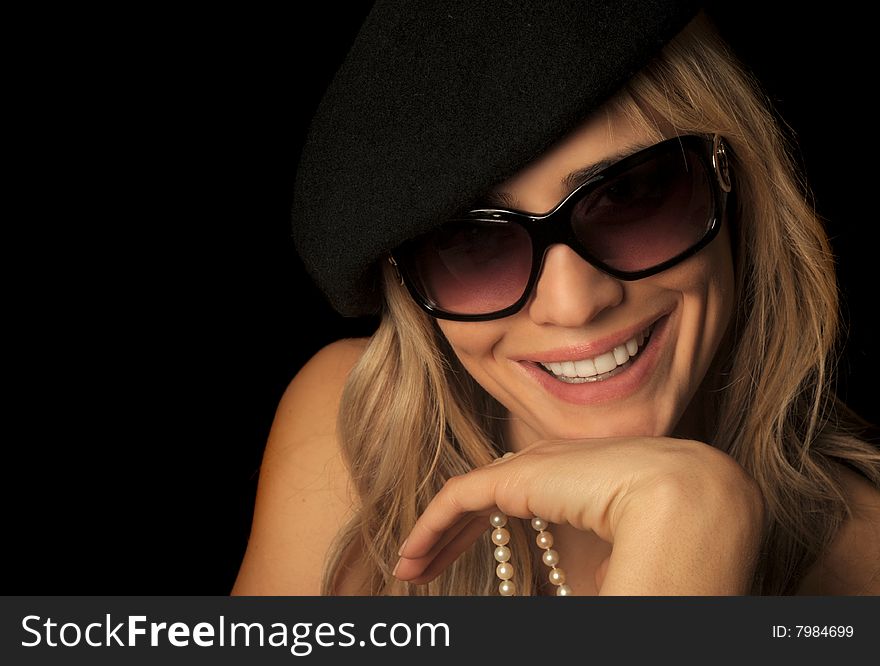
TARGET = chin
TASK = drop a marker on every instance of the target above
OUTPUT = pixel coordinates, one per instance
(628, 426)
(625, 430)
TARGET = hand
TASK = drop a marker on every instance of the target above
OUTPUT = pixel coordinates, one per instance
(682, 517)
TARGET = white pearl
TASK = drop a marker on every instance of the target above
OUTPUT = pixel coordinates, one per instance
(504, 571)
(502, 554)
(544, 539)
(507, 588)
(498, 519)
(508, 454)
(539, 524)
(500, 536)
(550, 557)
(557, 576)
(563, 591)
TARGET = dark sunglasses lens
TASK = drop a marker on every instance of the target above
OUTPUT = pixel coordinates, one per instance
(648, 214)
(472, 268)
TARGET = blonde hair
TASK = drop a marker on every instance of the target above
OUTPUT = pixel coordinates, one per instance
(412, 417)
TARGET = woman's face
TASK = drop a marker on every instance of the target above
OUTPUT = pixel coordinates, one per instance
(576, 312)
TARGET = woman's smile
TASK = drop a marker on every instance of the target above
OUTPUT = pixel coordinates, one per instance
(590, 355)
(602, 367)
(580, 379)
(609, 316)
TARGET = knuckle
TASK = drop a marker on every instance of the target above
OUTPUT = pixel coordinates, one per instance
(451, 490)
(451, 485)
(716, 476)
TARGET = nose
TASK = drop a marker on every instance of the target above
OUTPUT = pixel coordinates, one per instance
(570, 291)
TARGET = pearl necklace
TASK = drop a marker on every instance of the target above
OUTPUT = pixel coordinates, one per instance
(544, 539)
(504, 570)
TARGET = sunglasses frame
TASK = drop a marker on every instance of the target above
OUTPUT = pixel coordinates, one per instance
(554, 227)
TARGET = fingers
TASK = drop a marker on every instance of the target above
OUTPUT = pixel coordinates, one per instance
(408, 567)
(623, 489)
(450, 524)
(426, 569)
(474, 492)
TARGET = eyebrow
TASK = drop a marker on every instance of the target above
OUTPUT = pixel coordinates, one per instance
(570, 182)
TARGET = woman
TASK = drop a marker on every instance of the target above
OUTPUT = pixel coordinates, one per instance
(642, 376)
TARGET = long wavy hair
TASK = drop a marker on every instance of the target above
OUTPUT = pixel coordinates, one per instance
(411, 417)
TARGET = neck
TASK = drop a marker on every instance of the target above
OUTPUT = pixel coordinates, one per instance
(692, 424)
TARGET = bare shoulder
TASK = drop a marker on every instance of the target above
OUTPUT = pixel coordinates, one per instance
(304, 495)
(852, 563)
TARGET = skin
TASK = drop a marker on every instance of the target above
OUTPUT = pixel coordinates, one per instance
(575, 302)
(639, 502)
(628, 482)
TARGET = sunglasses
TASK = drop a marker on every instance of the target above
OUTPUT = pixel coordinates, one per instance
(642, 215)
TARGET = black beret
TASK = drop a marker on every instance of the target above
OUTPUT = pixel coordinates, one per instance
(436, 102)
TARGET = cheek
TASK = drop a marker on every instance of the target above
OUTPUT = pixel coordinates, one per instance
(706, 280)
(707, 289)
(472, 342)
(720, 281)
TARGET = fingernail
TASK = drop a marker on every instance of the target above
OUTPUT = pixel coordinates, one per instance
(402, 546)
(394, 570)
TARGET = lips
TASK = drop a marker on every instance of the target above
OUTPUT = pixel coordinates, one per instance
(602, 366)
(597, 347)
(624, 379)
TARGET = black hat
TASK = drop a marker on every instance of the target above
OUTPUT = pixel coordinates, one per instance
(438, 101)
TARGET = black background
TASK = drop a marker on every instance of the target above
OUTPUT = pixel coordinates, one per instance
(157, 311)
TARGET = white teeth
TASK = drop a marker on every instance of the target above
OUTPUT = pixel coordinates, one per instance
(606, 362)
(590, 367)
(586, 368)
